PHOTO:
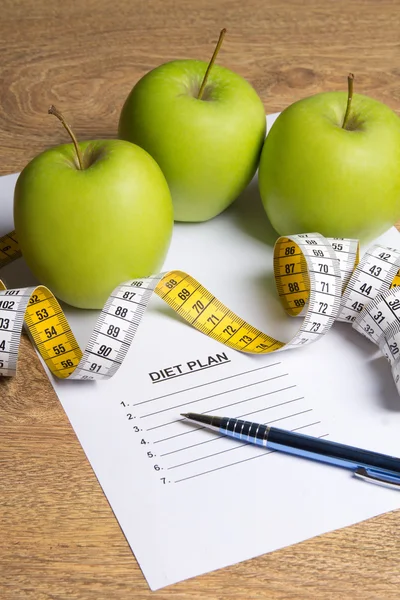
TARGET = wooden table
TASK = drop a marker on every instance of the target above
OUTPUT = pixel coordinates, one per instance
(58, 536)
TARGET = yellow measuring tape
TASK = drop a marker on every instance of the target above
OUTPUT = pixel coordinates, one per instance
(316, 278)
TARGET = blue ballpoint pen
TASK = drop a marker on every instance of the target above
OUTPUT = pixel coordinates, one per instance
(370, 466)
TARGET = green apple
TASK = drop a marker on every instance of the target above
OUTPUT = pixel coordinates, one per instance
(204, 127)
(84, 226)
(331, 163)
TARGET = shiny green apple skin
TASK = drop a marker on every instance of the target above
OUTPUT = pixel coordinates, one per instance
(83, 232)
(316, 176)
(208, 149)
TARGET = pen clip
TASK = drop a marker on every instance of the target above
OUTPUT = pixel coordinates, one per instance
(390, 480)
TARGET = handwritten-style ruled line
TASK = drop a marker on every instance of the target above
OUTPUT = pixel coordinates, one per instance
(264, 453)
(213, 396)
(207, 383)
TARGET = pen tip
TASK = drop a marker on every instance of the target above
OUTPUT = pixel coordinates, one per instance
(185, 415)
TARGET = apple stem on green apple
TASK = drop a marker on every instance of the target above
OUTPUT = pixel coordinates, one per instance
(210, 64)
(53, 111)
(350, 80)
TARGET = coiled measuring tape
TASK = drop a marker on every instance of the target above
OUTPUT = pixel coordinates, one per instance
(317, 278)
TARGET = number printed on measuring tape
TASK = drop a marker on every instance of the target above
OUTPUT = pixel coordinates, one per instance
(317, 278)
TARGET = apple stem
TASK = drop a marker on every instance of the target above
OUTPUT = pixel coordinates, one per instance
(53, 111)
(350, 80)
(210, 64)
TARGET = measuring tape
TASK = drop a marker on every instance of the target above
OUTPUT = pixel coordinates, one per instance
(317, 278)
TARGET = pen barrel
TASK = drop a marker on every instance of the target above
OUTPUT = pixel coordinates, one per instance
(329, 452)
(307, 446)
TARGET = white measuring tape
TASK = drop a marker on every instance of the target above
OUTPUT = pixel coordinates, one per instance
(317, 278)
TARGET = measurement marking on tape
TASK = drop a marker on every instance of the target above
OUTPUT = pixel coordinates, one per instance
(308, 269)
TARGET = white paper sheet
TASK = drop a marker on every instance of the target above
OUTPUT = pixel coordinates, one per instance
(190, 502)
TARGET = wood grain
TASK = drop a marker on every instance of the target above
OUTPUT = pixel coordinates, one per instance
(58, 536)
